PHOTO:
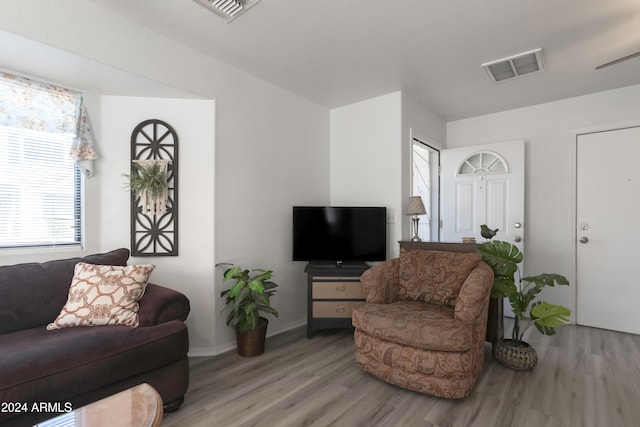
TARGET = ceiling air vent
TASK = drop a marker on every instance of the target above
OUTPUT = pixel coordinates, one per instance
(228, 9)
(515, 66)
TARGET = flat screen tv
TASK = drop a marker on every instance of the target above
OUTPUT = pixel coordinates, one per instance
(338, 234)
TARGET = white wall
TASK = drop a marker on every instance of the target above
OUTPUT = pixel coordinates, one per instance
(366, 158)
(272, 152)
(271, 149)
(192, 271)
(549, 130)
(371, 152)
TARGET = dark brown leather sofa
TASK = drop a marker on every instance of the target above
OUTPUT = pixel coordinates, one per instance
(76, 366)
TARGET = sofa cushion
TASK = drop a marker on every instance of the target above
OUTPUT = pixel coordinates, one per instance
(416, 324)
(103, 295)
(32, 294)
(433, 276)
(36, 364)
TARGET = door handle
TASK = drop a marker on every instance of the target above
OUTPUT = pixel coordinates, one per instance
(584, 239)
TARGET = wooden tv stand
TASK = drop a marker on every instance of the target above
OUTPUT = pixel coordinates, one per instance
(332, 291)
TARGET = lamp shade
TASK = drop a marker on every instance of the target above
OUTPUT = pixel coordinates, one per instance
(416, 206)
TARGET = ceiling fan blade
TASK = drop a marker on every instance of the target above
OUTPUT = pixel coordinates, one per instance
(619, 60)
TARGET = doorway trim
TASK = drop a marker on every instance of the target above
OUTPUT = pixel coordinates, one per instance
(435, 145)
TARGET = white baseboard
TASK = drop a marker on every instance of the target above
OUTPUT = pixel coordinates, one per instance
(201, 352)
(286, 327)
(231, 345)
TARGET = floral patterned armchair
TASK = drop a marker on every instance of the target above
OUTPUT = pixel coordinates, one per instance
(423, 324)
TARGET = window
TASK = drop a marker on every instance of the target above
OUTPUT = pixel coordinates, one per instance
(483, 163)
(40, 180)
(40, 192)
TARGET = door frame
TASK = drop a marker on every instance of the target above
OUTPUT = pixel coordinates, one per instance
(433, 144)
(574, 196)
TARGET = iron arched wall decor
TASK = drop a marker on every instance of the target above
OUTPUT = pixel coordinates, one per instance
(155, 232)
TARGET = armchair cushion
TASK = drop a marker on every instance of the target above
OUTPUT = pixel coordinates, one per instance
(473, 299)
(432, 276)
(416, 324)
(380, 283)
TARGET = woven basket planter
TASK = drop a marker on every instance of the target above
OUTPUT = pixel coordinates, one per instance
(252, 343)
(519, 357)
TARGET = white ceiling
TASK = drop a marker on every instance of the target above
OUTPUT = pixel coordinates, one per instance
(336, 52)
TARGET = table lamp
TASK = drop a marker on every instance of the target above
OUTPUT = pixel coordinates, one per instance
(415, 208)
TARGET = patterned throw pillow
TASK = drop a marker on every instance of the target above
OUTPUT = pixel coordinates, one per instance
(103, 295)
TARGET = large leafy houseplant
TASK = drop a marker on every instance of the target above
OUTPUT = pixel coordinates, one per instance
(503, 258)
(249, 296)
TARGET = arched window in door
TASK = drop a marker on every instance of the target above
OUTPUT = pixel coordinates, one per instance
(482, 163)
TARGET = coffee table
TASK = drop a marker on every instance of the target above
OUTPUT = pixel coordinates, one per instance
(139, 406)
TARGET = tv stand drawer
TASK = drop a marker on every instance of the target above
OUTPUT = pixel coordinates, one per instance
(333, 309)
(337, 290)
(331, 295)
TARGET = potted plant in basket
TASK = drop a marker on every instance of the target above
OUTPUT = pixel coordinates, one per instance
(503, 258)
(249, 296)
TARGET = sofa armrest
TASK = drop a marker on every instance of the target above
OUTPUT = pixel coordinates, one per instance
(160, 304)
(381, 282)
(473, 299)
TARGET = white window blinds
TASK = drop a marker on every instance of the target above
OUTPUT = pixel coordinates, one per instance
(40, 186)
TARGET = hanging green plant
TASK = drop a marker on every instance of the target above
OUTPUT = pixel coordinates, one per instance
(149, 184)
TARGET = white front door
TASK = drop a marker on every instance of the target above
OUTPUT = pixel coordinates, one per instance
(608, 202)
(483, 184)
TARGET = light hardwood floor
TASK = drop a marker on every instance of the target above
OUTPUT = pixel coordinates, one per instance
(585, 377)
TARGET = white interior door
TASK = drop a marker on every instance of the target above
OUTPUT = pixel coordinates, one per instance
(483, 184)
(608, 202)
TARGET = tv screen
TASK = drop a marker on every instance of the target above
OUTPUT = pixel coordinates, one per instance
(339, 234)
